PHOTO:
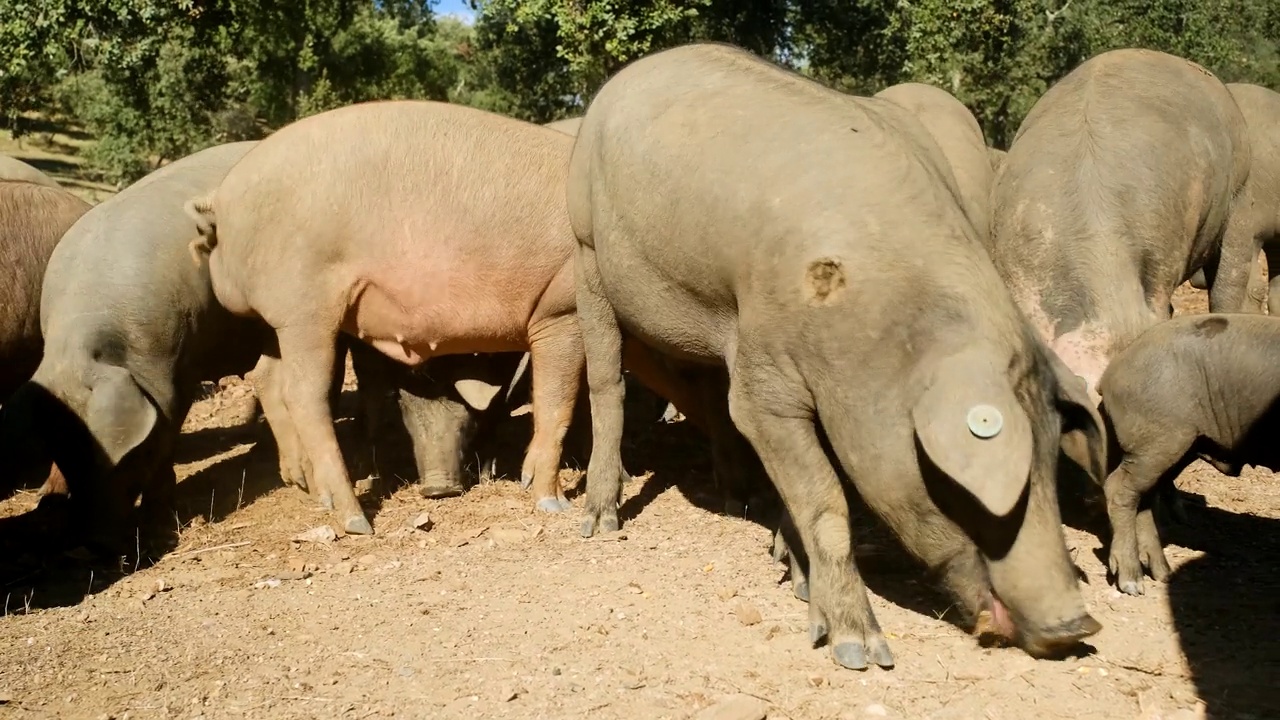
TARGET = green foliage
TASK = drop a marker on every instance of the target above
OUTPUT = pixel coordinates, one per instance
(157, 79)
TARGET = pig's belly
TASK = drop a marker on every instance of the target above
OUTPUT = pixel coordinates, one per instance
(415, 328)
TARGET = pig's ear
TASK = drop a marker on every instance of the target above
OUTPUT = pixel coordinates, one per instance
(1084, 437)
(476, 393)
(974, 429)
(119, 414)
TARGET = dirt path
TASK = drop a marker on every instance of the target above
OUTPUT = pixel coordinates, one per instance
(494, 610)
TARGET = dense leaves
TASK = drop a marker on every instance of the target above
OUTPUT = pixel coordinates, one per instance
(157, 79)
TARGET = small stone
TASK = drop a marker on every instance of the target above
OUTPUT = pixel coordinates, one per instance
(322, 534)
(735, 707)
(162, 586)
(297, 564)
(146, 595)
(555, 671)
(876, 710)
(421, 521)
(268, 583)
(366, 561)
(5, 697)
(817, 680)
(405, 671)
(773, 632)
(510, 694)
(342, 568)
(633, 588)
(747, 613)
(292, 575)
(726, 593)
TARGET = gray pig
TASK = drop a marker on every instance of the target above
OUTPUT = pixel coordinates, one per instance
(1261, 109)
(15, 169)
(1126, 177)
(733, 213)
(130, 331)
(959, 136)
(1196, 386)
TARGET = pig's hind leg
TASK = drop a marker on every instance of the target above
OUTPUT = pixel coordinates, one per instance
(307, 356)
(1135, 542)
(557, 357)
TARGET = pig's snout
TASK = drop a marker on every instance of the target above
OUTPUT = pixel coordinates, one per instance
(1051, 641)
(996, 624)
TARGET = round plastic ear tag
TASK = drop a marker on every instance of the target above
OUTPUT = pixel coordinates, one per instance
(985, 421)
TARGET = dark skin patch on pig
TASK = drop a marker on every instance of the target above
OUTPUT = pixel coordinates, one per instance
(824, 282)
(1210, 327)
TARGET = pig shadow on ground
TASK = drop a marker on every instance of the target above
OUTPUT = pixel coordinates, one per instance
(1226, 610)
(679, 457)
(40, 567)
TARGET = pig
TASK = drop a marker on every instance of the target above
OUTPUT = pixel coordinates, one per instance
(33, 217)
(1197, 386)
(960, 138)
(721, 206)
(15, 169)
(1125, 178)
(1261, 109)
(457, 241)
(447, 405)
(130, 331)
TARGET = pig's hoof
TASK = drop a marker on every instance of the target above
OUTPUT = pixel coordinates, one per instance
(435, 492)
(851, 655)
(817, 632)
(357, 525)
(880, 654)
(526, 479)
(603, 524)
(553, 504)
(1130, 587)
(801, 590)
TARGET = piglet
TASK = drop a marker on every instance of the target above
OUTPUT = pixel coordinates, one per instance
(1194, 387)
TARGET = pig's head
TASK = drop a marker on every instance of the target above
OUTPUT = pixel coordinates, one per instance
(87, 419)
(990, 425)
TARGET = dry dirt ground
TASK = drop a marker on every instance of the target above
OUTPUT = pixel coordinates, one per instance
(494, 610)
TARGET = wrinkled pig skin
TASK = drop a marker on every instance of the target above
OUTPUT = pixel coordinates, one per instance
(1194, 387)
(34, 214)
(456, 242)
(958, 135)
(720, 203)
(1126, 177)
(131, 330)
(1261, 109)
